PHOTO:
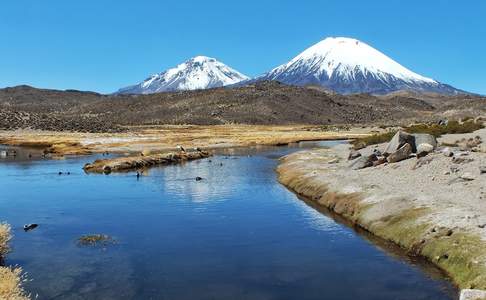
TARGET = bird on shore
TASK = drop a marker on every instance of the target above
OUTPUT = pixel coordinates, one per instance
(180, 148)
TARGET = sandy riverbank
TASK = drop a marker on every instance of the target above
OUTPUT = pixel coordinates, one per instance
(429, 210)
(166, 138)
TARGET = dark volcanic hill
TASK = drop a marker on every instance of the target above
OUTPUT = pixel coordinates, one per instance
(259, 103)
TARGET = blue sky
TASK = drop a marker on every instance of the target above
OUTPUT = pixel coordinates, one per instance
(102, 45)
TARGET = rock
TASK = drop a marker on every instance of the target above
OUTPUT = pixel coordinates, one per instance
(480, 148)
(447, 152)
(333, 161)
(443, 122)
(353, 154)
(467, 176)
(399, 139)
(454, 169)
(377, 152)
(422, 162)
(468, 294)
(482, 169)
(28, 227)
(198, 178)
(461, 160)
(424, 149)
(379, 161)
(363, 162)
(470, 144)
(401, 154)
(425, 138)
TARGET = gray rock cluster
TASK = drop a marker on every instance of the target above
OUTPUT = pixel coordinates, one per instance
(402, 146)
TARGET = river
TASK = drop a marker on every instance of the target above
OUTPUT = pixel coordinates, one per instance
(236, 234)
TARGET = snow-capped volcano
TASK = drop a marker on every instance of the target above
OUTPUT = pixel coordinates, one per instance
(347, 65)
(199, 72)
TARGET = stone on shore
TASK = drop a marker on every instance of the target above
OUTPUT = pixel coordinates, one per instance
(363, 162)
(399, 139)
(468, 294)
(353, 154)
(425, 138)
(402, 153)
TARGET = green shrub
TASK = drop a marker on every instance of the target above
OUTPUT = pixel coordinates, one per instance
(453, 127)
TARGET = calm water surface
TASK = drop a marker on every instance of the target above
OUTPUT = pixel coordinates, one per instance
(237, 234)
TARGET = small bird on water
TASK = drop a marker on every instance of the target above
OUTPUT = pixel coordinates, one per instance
(28, 227)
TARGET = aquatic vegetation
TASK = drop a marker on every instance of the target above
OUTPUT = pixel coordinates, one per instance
(460, 254)
(96, 240)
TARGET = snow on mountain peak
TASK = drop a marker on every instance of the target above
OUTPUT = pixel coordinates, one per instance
(347, 65)
(347, 54)
(199, 72)
(344, 65)
(340, 56)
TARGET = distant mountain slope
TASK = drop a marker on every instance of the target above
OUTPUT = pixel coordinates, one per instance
(264, 102)
(197, 73)
(347, 66)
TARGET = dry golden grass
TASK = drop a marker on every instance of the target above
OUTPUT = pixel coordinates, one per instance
(10, 278)
(5, 237)
(167, 137)
(11, 284)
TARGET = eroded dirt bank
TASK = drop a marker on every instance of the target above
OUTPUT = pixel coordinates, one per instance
(436, 210)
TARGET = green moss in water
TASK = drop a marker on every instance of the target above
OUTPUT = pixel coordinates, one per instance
(402, 228)
(96, 240)
(462, 255)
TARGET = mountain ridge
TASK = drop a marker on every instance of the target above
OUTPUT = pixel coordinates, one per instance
(199, 72)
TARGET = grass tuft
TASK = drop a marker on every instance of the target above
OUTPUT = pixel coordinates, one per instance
(11, 280)
(5, 237)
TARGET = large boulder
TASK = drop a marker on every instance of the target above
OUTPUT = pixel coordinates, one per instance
(363, 162)
(424, 149)
(399, 139)
(403, 153)
(425, 142)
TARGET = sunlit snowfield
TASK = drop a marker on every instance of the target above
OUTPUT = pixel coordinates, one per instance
(237, 234)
